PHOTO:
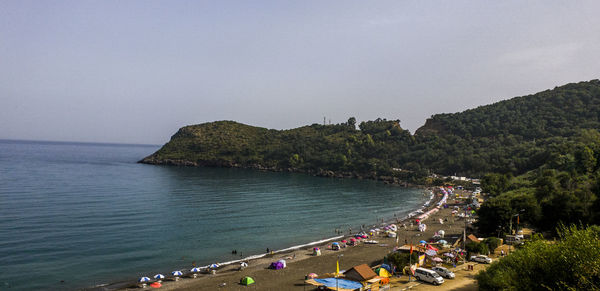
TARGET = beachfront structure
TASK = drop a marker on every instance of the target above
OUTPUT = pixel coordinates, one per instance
(360, 273)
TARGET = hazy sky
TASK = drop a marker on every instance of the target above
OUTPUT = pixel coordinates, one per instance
(136, 71)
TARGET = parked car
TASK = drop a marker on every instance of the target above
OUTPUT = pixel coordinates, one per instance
(481, 259)
(428, 276)
(444, 272)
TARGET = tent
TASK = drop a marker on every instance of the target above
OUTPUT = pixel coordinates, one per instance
(282, 262)
(335, 246)
(381, 272)
(277, 265)
(247, 281)
(387, 267)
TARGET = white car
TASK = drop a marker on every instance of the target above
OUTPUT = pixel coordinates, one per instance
(428, 276)
(444, 272)
(481, 259)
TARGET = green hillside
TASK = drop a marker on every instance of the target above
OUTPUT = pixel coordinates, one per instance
(512, 136)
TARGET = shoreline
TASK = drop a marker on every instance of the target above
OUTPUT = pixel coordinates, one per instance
(149, 160)
(128, 284)
(301, 261)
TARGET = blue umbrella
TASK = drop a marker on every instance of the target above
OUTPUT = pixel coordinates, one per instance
(422, 242)
(144, 279)
(214, 266)
(177, 273)
(195, 270)
(159, 276)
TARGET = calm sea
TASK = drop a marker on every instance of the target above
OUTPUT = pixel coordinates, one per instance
(88, 214)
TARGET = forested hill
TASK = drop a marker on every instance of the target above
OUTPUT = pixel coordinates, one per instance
(511, 136)
(558, 112)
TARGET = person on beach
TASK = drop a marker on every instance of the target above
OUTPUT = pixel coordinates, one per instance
(267, 250)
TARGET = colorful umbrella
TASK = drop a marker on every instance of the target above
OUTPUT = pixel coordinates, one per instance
(436, 259)
(176, 273)
(313, 275)
(195, 270)
(144, 279)
(214, 266)
(159, 276)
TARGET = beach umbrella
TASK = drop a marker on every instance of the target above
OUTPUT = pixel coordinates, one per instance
(344, 241)
(335, 243)
(422, 242)
(176, 273)
(156, 285)
(312, 275)
(159, 276)
(430, 252)
(244, 264)
(443, 241)
(358, 237)
(144, 279)
(436, 259)
(195, 270)
(364, 236)
(449, 255)
(352, 240)
(214, 266)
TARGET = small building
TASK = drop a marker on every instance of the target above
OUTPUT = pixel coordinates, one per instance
(472, 238)
(360, 273)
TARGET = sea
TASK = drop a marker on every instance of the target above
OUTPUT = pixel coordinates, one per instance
(79, 215)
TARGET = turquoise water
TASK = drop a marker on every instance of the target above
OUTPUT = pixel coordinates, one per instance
(88, 214)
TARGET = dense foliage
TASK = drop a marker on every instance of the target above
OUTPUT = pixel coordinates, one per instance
(509, 137)
(564, 189)
(571, 263)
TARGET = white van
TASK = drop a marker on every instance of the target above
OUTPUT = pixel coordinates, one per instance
(428, 276)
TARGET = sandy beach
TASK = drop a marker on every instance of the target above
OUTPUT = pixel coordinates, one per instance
(301, 262)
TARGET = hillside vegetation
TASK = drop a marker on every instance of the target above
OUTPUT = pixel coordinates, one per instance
(512, 136)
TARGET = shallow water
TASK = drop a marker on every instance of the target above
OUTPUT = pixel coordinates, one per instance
(88, 214)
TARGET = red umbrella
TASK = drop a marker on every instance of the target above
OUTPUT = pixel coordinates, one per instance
(358, 237)
(344, 241)
(156, 285)
(352, 239)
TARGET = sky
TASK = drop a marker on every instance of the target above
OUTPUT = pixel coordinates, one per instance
(137, 71)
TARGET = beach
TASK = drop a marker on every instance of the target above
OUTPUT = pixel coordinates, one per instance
(301, 262)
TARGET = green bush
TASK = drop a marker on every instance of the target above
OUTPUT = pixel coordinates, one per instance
(571, 263)
(492, 243)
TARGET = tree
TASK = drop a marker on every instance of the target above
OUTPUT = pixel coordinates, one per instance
(572, 263)
(352, 122)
